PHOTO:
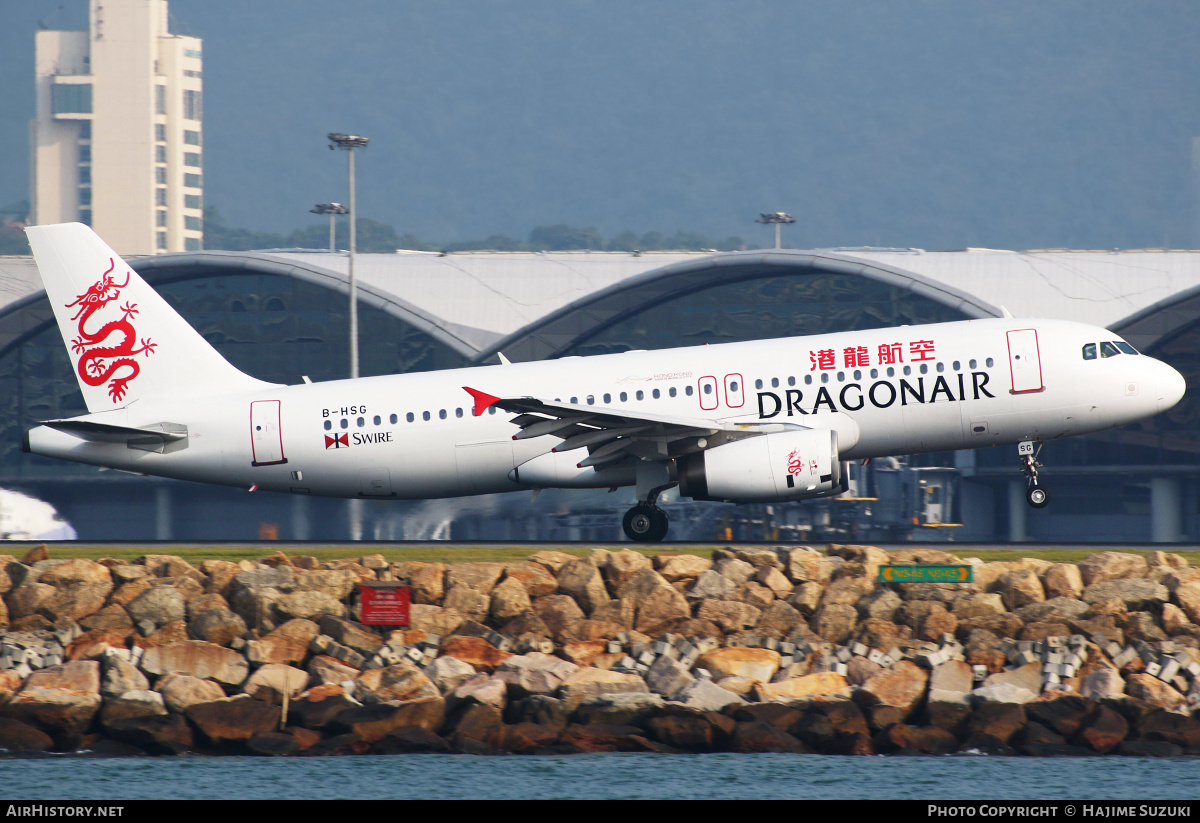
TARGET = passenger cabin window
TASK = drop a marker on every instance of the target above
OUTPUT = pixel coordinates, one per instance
(1108, 349)
(1089, 351)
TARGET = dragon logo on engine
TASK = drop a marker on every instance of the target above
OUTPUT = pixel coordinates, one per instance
(97, 363)
(795, 462)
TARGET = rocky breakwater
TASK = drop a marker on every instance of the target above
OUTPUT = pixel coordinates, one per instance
(752, 650)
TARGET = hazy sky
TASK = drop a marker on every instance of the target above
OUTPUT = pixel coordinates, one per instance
(940, 125)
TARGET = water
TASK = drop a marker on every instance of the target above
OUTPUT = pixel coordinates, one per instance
(601, 776)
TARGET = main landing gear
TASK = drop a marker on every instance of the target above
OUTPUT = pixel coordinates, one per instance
(645, 523)
(1036, 495)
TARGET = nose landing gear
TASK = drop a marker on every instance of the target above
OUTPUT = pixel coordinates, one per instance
(1036, 495)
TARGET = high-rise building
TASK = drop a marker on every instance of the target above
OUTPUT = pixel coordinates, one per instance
(117, 139)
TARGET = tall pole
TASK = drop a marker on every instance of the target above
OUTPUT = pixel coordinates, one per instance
(331, 235)
(350, 142)
(353, 281)
(777, 225)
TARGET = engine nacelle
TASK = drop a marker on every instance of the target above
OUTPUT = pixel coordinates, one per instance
(560, 470)
(791, 465)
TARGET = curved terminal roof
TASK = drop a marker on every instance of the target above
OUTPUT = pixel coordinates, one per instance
(471, 300)
(568, 328)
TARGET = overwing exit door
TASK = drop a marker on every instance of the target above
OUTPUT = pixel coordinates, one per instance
(266, 438)
(1025, 361)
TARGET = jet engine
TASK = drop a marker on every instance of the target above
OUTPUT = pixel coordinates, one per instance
(769, 468)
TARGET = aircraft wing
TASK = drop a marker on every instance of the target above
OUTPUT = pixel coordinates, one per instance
(612, 434)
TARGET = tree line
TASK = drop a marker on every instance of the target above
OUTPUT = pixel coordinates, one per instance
(374, 236)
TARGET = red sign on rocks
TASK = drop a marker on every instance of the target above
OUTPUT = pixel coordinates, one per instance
(385, 604)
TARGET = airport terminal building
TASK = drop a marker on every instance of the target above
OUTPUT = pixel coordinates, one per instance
(282, 316)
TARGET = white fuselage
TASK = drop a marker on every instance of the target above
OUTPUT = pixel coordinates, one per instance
(906, 389)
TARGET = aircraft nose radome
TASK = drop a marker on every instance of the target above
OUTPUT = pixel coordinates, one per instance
(1171, 387)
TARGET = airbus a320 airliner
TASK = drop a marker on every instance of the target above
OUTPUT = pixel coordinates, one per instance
(761, 421)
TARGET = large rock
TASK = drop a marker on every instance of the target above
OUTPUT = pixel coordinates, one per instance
(581, 580)
(668, 676)
(951, 676)
(734, 661)
(428, 581)
(711, 585)
(1187, 595)
(805, 565)
(199, 659)
(158, 606)
(139, 703)
(479, 576)
(620, 566)
(823, 683)
(60, 700)
(16, 736)
(308, 605)
(481, 690)
(217, 625)
(434, 619)
(1056, 609)
(536, 578)
(656, 603)
(706, 696)
(348, 633)
(1102, 566)
(1063, 580)
(560, 613)
(474, 650)
(1152, 690)
(288, 643)
(466, 600)
(589, 682)
(1104, 731)
(533, 673)
(81, 588)
(902, 686)
(379, 721)
(1102, 683)
(233, 719)
(121, 676)
(1019, 588)
(270, 682)
(253, 594)
(448, 673)
(835, 622)
(677, 567)
(881, 603)
(337, 584)
(730, 615)
(778, 620)
(1136, 595)
(508, 599)
(978, 604)
(180, 691)
(403, 681)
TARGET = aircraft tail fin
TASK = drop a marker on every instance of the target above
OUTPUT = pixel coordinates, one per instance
(124, 340)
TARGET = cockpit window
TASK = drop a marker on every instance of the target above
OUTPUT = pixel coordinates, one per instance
(1108, 349)
(1125, 347)
(1089, 351)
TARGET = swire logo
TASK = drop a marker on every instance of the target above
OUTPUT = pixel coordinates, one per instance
(337, 441)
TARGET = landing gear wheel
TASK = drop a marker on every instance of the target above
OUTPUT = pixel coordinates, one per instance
(1037, 496)
(645, 524)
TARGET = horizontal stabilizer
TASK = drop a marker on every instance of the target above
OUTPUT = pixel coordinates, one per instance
(159, 437)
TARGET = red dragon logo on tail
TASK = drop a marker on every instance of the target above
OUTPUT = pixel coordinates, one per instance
(97, 363)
